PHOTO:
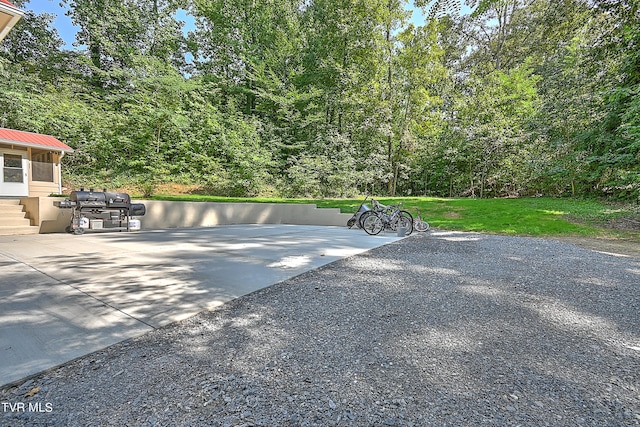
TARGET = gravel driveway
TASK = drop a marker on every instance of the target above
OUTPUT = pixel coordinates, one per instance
(439, 329)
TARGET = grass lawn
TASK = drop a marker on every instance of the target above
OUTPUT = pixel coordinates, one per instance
(524, 216)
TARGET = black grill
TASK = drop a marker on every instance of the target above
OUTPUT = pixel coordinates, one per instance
(118, 200)
(88, 199)
(109, 210)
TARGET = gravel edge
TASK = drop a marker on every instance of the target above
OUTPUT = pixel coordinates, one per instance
(442, 329)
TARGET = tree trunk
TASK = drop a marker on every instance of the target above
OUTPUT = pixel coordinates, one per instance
(345, 45)
(473, 190)
(395, 179)
(390, 186)
(451, 185)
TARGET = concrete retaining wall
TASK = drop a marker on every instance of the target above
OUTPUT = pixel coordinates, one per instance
(165, 214)
(42, 213)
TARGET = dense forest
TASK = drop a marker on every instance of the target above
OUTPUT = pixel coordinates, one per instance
(331, 98)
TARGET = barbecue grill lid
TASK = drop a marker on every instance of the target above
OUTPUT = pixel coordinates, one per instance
(117, 198)
(87, 196)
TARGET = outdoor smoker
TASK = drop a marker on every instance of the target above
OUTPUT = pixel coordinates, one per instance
(101, 211)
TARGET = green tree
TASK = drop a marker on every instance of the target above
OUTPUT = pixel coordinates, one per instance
(116, 32)
(417, 105)
(33, 40)
(614, 144)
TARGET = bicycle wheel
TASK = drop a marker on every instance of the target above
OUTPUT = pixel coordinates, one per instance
(363, 217)
(392, 224)
(406, 221)
(372, 224)
(420, 225)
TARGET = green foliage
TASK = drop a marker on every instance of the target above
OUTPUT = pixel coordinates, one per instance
(332, 98)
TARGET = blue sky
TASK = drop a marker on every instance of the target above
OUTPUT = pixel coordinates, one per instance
(62, 23)
(67, 31)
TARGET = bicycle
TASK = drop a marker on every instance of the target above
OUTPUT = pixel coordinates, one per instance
(355, 219)
(376, 207)
(419, 224)
(391, 218)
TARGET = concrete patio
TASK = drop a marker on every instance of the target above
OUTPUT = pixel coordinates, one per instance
(64, 296)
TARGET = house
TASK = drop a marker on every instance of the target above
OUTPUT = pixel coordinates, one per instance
(30, 164)
(29, 172)
(9, 16)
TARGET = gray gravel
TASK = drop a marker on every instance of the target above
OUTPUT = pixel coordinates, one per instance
(439, 329)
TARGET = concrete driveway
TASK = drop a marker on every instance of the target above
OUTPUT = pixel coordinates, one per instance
(64, 296)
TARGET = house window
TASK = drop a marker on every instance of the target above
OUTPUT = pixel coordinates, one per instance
(42, 166)
(12, 169)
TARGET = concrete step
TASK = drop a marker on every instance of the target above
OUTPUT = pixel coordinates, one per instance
(12, 215)
(18, 230)
(9, 209)
(14, 221)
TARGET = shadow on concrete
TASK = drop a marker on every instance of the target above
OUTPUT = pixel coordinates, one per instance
(64, 296)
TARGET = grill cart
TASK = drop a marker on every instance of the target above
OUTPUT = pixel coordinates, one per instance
(101, 211)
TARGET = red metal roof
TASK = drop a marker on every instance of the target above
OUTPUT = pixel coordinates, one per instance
(7, 3)
(28, 139)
